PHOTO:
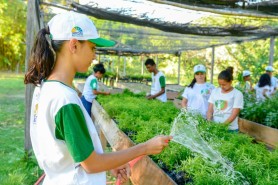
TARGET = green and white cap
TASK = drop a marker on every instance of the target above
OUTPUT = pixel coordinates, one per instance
(269, 68)
(69, 25)
(199, 68)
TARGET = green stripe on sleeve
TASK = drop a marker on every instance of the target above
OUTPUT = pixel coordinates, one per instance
(93, 84)
(162, 81)
(71, 127)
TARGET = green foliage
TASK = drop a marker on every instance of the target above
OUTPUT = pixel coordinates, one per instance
(142, 119)
(261, 112)
(16, 167)
(12, 34)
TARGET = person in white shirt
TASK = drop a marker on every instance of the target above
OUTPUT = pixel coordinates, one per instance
(269, 70)
(158, 88)
(225, 102)
(263, 88)
(91, 90)
(64, 138)
(246, 85)
(196, 95)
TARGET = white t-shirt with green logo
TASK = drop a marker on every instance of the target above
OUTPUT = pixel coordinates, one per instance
(197, 97)
(223, 105)
(90, 85)
(63, 135)
(158, 82)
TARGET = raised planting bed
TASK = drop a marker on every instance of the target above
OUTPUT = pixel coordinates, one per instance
(145, 171)
(141, 119)
(260, 132)
(264, 112)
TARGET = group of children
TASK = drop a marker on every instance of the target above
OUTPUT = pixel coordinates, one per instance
(221, 104)
(266, 86)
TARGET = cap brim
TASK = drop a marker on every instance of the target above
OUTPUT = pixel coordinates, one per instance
(200, 71)
(100, 42)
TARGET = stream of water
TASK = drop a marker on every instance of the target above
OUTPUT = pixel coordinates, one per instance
(185, 132)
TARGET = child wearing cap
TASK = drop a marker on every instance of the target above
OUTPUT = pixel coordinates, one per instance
(225, 102)
(246, 85)
(196, 95)
(90, 90)
(63, 136)
(274, 81)
(158, 90)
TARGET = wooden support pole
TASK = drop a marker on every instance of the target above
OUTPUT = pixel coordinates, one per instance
(271, 51)
(156, 60)
(212, 65)
(179, 69)
(34, 24)
(142, 65)
(118, 66)
(124, 66)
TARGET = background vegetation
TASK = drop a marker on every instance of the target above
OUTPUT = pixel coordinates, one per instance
(15, 166)
(250, 55)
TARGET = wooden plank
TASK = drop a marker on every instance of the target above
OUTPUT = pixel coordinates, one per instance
(171, 95)
(260, 132)
(145, 171)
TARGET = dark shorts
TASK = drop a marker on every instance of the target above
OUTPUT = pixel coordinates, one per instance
(87, 105)
(233, 131)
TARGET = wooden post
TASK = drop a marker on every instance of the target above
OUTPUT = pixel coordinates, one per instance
(124, 65)
(179, 68)
(34, 24)
(156, 60)
(118, 65)
(212, 65)
(142, 65)
(271, 51)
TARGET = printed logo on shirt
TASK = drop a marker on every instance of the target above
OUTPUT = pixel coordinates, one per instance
(205, 91)
(77, 32)
(221, 104)
(36, 113)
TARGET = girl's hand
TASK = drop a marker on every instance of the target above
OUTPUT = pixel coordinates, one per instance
(157, 144)
(122, 173)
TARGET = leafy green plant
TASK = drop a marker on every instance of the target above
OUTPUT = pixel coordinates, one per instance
(262, 112)
(145, 119)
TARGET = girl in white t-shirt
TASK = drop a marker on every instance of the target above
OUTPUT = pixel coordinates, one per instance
(196, 95)
(225, 102)
(64, 138)
(263, 87)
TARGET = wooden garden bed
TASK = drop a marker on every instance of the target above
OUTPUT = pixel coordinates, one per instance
(260, 132)
(145, 171)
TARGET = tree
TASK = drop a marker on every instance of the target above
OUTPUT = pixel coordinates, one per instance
(12, 34)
